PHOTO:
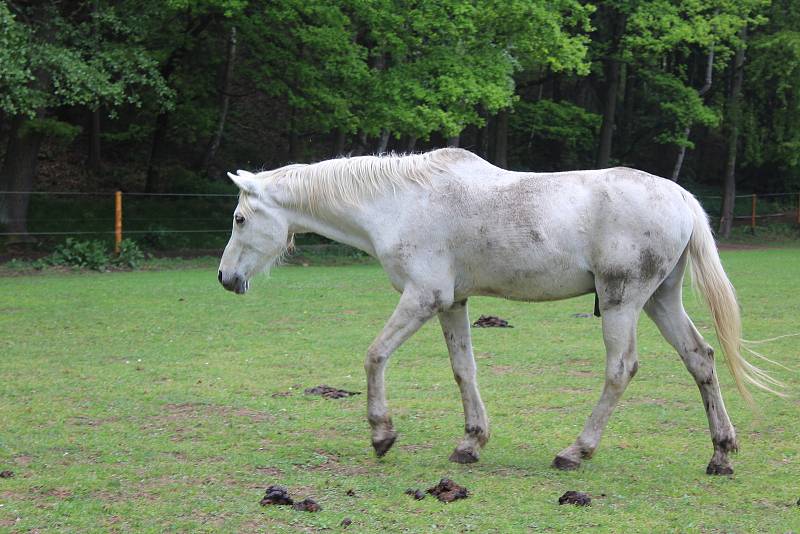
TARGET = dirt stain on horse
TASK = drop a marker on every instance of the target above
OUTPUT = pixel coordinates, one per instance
(650, 263)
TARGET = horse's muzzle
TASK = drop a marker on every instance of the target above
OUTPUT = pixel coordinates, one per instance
(234, 283)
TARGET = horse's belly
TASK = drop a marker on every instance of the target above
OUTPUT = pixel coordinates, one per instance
(527, 285)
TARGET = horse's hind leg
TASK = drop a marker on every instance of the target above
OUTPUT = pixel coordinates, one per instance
(414, 309)
(619, 335)
(455, 327)
(665, 308)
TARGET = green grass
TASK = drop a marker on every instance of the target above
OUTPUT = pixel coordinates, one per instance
(143, 402)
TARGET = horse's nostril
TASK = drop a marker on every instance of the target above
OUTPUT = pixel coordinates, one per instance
(219, 276)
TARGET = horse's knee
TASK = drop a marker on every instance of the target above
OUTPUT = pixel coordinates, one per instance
(700, 363)
(376, 357)
(618, 375)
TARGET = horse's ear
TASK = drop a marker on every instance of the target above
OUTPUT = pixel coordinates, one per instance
(246, 181)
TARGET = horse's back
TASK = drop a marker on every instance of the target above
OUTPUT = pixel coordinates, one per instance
(541, 236)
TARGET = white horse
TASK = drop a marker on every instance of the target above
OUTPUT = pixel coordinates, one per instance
(447, 225)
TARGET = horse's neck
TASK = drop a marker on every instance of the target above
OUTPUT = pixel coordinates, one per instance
(342, 225)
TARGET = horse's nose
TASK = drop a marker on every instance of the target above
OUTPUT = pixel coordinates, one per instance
(219, 276)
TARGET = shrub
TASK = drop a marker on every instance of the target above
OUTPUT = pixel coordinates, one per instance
(94, 255)
(130, 255)
(82, 254)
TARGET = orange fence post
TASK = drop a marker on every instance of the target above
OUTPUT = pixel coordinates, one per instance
(117, 221)
(753, 215)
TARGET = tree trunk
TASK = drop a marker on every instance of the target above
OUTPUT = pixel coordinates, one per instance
(361, 144)
(17, 174)
(482, 140)
(611, 69)
(230, 59)
(501, 139)
(411, 143)
(729, 192)
(153, 182)
(95, 157)
(383, 142)
(339, 142)
(676, 169)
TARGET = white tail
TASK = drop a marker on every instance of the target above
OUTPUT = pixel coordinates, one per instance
(709, 278)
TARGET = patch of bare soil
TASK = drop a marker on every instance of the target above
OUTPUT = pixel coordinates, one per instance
(267, 470)
(333, 465)
(501, 369)
(6, 474)
(329, 392)
(490, 321)
(577, 498)
(578, 372)
(448, 491)
(84, 420)
(414, 447)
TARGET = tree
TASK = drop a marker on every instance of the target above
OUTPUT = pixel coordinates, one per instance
(664, 49)
(63, 55)
(770, 121)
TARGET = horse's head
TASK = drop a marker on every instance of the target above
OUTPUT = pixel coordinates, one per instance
(260, 234)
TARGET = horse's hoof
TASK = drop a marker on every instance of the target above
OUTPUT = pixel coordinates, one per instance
(382, 446)
(464, 456)
(719, 469)
(566, 464)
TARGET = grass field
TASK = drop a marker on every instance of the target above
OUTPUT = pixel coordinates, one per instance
(156, 401)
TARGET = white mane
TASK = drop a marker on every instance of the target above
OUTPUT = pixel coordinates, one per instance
(349, 181)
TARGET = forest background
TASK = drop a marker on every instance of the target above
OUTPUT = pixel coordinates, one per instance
(164, 96)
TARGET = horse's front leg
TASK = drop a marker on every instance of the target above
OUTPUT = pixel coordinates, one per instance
(416, 306)
(455, 327)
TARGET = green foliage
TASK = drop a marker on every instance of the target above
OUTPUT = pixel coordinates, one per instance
(771, 121)
(564, 128)
(680, 107)
(54, 128)
(15, 73)
(130, 255)
(93, 255)
(658, 41)
(414, 68)
(89, 56)
(556, 121)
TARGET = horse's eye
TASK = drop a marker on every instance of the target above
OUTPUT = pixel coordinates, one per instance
(238, 218)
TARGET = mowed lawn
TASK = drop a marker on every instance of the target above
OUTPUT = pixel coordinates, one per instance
(156, 401)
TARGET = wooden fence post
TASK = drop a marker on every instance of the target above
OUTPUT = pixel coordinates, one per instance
(117, 221)
(753, 215)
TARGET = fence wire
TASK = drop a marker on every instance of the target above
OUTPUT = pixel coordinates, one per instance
(142, 213)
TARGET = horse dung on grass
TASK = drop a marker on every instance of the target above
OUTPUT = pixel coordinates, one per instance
(447, 225)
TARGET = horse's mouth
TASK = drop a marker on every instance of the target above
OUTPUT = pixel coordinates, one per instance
(241, 286)
(235, 283)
